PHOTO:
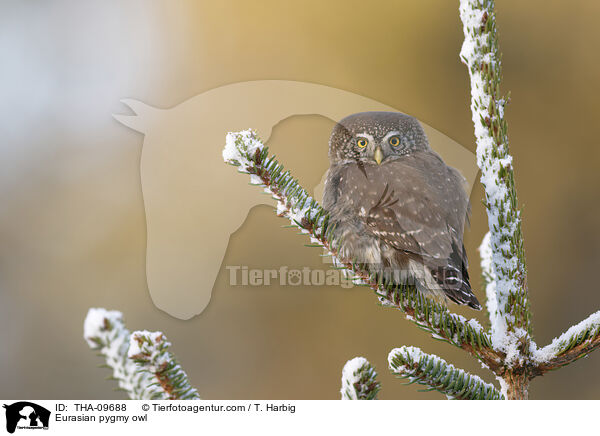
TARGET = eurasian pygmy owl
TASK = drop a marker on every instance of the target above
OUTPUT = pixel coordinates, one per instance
(396, 207)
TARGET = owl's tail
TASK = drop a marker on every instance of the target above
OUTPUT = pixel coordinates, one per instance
(455, 280)
(462, 295)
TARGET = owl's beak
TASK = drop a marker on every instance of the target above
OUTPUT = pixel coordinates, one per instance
(378, 156)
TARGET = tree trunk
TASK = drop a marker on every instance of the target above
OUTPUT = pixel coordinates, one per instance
(517, 386)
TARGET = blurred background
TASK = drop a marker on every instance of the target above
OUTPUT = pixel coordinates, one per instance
(72, 223)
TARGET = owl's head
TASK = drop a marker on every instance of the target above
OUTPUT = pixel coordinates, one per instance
(375, 138)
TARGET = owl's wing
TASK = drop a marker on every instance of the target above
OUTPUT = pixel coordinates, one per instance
(417, 204)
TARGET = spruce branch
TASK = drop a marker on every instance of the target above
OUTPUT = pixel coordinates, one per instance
(575, 343)
(511, 323)
(105, 332)
(437, 374)
(502, 253)
(359, 380)
(247, 152)
(150, 350)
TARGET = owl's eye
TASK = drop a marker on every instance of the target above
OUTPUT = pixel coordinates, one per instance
(394, 141)
(362, 142)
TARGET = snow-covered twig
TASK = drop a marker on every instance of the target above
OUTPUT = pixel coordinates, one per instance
(437, 374)
(573, 344)
(105, 332)
(510, 324)
(359, 380)
(150, 350)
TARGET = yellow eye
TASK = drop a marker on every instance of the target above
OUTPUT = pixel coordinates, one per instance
(362, 142)
(394, 141)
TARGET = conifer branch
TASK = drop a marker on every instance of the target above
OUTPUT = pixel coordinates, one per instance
(359, 380)
(511, 324)
(150, 350)
(105, 332)
(246, 151)
(577, 342)
(435, 373)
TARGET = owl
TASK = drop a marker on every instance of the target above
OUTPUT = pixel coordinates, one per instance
(396, 207)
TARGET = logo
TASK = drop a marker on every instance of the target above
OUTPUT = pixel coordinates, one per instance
(26, 415)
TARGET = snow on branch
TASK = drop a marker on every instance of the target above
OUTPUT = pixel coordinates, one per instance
(573, 344)
(435, 373)
(488, 276)
(511, 317)
(150, 350)
(247, 152)
(359, 380)
(105, 332)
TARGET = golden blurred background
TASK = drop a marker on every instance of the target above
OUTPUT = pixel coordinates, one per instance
(72, 224)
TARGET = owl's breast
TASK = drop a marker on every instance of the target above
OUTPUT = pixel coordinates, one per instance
(356, 187)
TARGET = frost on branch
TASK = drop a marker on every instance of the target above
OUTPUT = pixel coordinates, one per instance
(573, 344)
(511, 317)
(435, 373)
(239, 146)
(141, 362)
(359, 380)
(150, 350)
(245, 150)
(489, 278)
(105, 332)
